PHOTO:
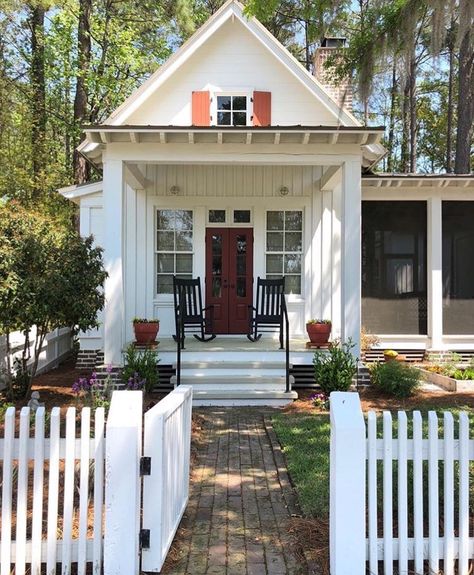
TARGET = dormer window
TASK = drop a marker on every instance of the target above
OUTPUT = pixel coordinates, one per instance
(232, 110)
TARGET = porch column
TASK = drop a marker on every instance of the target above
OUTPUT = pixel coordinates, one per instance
(435, 272)
(113, 195)
(350, 251)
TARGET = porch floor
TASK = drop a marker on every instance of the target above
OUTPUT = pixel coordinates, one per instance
(233, 343)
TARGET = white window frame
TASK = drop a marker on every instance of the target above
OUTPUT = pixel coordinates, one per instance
(174, 252)
(232, 92)
(283, 252)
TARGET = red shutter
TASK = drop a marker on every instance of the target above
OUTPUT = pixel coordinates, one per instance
(262, 108)
(201, 109)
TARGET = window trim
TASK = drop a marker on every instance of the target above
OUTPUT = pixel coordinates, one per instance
(247, 92)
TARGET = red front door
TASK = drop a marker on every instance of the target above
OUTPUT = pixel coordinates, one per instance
(229, 277)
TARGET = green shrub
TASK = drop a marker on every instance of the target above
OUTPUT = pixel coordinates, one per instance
(395, 378)
(335, 368)
(140, 366)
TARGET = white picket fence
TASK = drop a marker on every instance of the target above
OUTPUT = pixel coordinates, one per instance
(46, 484)
(369, 473)
(69, 498)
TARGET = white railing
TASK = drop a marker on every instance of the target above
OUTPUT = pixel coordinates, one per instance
(56, 345)
(47, 482)
(370, 474)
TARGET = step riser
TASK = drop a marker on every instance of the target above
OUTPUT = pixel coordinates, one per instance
(241, 403)
(213, 356)
(226, 374)
(235, 365)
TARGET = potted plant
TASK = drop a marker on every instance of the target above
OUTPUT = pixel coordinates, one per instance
(318, 330)
(145, 330)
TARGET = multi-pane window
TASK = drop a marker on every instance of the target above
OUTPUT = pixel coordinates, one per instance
(174, 247)
(231, 110)
(284, 248)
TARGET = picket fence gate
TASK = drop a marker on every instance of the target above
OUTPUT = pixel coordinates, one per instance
(72, 500)
(369, 473)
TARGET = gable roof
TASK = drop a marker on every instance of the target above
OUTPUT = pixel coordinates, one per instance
(231, 9)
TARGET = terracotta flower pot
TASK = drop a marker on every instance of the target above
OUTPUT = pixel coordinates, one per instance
(145, 333)
(318, 332)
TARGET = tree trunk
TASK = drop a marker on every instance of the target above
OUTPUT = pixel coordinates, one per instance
(38, 86)
(404, 151)
(80, 166)
(450, 107)
(462, 163)
(391, 129)
(412, 107)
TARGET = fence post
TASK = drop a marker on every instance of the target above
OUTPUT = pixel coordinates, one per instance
(122, 483)
(347, 485)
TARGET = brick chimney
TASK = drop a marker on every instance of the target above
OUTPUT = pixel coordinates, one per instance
(342, 91)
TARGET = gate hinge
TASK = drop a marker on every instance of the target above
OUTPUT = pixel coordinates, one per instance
(145, 466)
(144, 538)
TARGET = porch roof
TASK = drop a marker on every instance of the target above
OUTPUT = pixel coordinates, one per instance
(385, 180)
(98, 136)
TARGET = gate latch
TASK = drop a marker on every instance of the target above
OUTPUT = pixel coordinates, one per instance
(145, 466)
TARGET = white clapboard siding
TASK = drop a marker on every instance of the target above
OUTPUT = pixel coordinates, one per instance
(26, 456)
(439, 541)
(167, 440)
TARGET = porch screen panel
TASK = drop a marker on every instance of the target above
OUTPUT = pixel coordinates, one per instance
(174, 247)
(394, 295)
(458, 268)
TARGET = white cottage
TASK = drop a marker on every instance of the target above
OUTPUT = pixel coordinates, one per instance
(233, 142)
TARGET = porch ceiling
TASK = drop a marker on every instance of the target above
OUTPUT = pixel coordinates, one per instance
(99, 136)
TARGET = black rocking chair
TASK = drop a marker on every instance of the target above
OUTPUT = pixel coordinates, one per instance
(268, 312)
(189, 312)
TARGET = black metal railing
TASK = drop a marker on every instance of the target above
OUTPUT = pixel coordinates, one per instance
(179, 340)
(287, 342)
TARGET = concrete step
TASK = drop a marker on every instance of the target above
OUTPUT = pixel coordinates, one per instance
(234, 383)
(243, 363)
(225, 373)
(230, 398)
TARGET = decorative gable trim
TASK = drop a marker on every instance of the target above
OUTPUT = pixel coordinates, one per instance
(231, 9)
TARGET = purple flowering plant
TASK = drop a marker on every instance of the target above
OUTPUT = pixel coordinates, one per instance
(136, 383)
(93, 390)
(320, 401)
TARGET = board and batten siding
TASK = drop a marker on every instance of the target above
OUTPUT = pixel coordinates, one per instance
(235, 187)
(232, 60)
(92, 223)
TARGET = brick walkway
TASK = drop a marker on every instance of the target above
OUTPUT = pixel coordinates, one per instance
(240, 501)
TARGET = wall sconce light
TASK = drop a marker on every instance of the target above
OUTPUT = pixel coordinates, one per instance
(174, 190)
(284, 191)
